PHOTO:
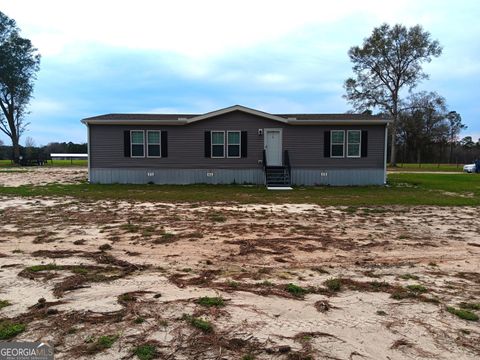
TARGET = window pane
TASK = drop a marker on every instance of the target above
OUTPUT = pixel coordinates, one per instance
(354, 137)
(137, 150)
(337, 150)
(234, 138)
(337, 137)
(154, 137)
(353, 149)
(153, 150)
(217, 150)
(234, 150)
(137, 137)
(217, 138)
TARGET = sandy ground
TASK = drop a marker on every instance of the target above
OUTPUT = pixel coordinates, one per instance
(161, 258)
(42, 175)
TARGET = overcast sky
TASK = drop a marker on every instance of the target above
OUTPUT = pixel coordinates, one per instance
(197, 56)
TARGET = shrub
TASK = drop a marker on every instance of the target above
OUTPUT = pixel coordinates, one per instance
(295, 290)
(333, 284)
(463, 314)
(9, 330)
(211, 301)
(145, 352)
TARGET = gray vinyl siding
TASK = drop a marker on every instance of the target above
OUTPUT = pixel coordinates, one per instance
(186, 145)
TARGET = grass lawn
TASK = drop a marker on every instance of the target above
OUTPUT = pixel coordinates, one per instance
(402, 189)
(8, 163)
(427, 167)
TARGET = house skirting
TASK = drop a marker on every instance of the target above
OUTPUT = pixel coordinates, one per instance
(310, 177)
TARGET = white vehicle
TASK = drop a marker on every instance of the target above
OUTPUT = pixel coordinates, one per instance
(469, 168)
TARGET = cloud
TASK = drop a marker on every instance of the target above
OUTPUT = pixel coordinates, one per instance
(196, 56)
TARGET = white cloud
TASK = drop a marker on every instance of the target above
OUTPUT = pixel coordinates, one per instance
(192, 28)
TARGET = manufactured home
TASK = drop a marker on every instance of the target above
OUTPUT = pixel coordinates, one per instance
(237, 145)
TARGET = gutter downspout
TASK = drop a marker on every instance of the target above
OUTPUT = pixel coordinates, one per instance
(384, 157)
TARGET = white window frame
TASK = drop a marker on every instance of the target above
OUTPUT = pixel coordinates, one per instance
(212, 144)
(159, 143)
(131, 144)
(239, 144)
(331, 144)
(359, 144)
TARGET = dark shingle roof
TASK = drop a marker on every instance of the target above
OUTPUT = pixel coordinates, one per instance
(345, 116)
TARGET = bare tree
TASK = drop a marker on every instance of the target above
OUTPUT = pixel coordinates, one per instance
(388, 61)
(19, 63)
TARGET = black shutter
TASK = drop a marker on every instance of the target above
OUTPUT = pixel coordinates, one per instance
(326, 143)
(244, 144)
(164, 141)
(208, 143)
(126, 143)
(364, 143)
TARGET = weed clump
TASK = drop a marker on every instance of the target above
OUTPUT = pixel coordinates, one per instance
(103, 342)
(201, 324)
(145, 352)
(46, 267)
(417, 289)
(211, 301)
(463, 314)
(295, 290)
(9, 329)
(409, 277)
(333, 284)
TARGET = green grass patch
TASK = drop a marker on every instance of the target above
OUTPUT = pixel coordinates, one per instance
(295, 290)
(4, 303)
(463, 314)
(402, 189)
(103, 342)
(211, 301)
(145, 352)
(46, 267)
(9, 329)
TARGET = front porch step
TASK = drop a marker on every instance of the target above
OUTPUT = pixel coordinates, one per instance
(277, 178)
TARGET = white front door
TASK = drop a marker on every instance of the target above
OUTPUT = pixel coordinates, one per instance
(273, 146)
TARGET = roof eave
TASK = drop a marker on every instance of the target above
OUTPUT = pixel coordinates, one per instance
(132, 122)
(341, 122)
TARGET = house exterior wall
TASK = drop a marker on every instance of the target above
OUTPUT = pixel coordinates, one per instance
(186, 162)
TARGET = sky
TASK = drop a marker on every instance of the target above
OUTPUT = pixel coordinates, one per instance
(198, 56)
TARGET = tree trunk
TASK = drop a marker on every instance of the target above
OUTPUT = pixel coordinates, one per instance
(16, 149)
(393, 157)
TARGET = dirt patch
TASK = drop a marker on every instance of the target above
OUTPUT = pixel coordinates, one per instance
(296, 280)
(43, 175)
